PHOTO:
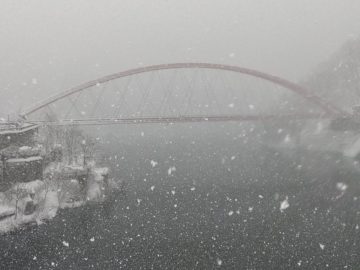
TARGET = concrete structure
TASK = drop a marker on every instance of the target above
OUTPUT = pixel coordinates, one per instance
(19, 161)
(16, 134)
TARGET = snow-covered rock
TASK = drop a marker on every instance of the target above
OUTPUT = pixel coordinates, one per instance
(6, 211)
(97, 184)
(62, 187)
(27, 151)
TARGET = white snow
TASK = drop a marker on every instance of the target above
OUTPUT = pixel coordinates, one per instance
(66, 244)
(24, 148)
(100, 173)
(27, 151)
(171, 170)
(153, 163)
(287, 138)
(48, 196)
(30, 187)
(94, 192)
(322, 246)
(284, 204)
(341, 186)
(50, 207)
(230, 213)
(23, 128)
(6, 210)
(20, 160)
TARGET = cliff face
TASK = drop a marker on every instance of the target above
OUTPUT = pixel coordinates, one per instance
(36, 183)
(338, 79)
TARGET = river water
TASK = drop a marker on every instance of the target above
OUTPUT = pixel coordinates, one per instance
(203, 202)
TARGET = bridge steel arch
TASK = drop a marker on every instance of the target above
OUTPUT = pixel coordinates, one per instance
(328, 108)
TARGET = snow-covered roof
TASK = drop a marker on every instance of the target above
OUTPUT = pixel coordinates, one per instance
(14, 151)
(31, 187)
(102, 171)
(21, 160)
(6, 210)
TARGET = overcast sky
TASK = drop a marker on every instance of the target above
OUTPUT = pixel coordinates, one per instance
(47, 46)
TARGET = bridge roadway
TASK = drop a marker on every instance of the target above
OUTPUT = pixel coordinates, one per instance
(184, 119)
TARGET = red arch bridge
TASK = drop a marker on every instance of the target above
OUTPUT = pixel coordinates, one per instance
(181, 92)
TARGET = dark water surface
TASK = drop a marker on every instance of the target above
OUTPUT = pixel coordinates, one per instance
(220, 209)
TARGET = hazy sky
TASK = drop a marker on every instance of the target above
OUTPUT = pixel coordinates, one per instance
(47, 46)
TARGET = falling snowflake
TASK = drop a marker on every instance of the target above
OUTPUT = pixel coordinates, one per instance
(173, 192)
(152, 188)
(192, 189)
(322, 246)
(92, 239)
(284, 204)
(231, 105)
(154, 163)
(341, 186)
(66, 244)
(171, 170)
(231, 213)
(287, 139)
(219, 262)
